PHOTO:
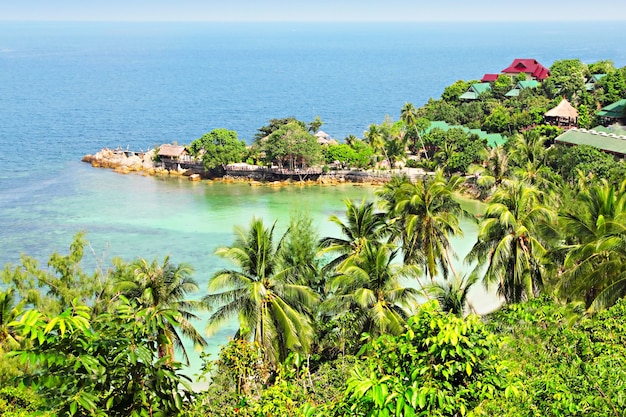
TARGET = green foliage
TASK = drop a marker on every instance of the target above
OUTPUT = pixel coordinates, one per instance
(593, 162)
(454, 150)
(442, 366)
(21, 402)
(364, 154)
(498, 121)
(341, 152)
(612, 88)
(605, 66)
(315, 125)
(219, 148)
(569, 75)
(56, 288)
(291, 146)
(566, 365)
(502, 85)
(452, 92)
(104, 365)
(274, 125)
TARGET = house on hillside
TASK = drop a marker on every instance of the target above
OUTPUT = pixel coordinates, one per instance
(475, 90)
(531, 67)
(489, 78)
(613, 113)
(522, 85)
(563, 115)
(590, 85)
(493, 139)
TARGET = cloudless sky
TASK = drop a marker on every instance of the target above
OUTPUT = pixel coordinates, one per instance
(314, 10)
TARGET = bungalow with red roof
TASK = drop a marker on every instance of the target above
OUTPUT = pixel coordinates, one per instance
(489, 78)
(531, 67)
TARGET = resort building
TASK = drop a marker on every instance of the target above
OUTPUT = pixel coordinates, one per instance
(324, 138)
(563, 115)
(522, 85)
(590, 85)
(489, 78)
(172, 156)
(475, 90)
(607, 139)
(613, 113)
(493, 139)
(531, 67)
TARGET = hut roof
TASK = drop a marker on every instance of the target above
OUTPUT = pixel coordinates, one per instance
(171, 150)
(564, 110)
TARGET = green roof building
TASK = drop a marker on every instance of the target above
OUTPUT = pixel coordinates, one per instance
(605, 139)
(590, 85)
(522, 85)
(493, 139)
(475, 90)
(616, 110)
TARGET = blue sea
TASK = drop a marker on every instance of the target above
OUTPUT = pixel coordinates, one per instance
(69, 89)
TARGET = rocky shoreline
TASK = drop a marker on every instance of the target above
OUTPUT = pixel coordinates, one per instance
(126, 162)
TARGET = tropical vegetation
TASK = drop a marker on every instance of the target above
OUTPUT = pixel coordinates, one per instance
(376, 319)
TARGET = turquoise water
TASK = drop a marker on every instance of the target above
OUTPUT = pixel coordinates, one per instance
(70, 89)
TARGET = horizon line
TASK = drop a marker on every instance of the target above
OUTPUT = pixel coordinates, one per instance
(616, 20)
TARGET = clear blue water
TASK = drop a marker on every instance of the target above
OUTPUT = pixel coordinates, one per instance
(70, 89)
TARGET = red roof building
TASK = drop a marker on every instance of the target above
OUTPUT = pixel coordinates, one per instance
(531, 67)
(488, 78)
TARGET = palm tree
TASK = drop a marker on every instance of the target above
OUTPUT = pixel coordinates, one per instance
(596, 253)
(369, 286)
(452, 294)
(509, 242)
(163, 289)
(415, 125)
(375, 137)
(530, 147)
(273, 311)
(425, 216)
(363, 224)
(10, 310)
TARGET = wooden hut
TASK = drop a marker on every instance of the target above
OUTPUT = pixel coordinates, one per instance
(563, 115)
(172, 155)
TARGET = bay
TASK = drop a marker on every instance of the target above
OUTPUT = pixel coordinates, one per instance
(68, 89)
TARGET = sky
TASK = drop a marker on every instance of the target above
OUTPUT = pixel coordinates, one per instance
(312, 11)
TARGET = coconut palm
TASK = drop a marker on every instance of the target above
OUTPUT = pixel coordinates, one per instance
(543, 178)
(369, 286)
(272, 310)
(595, 257)
(10, 310)
(528, 147)
(509, 243)
(415, 126)
(426, 216)
(363, 224)
(163, 289)
(452, 294)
